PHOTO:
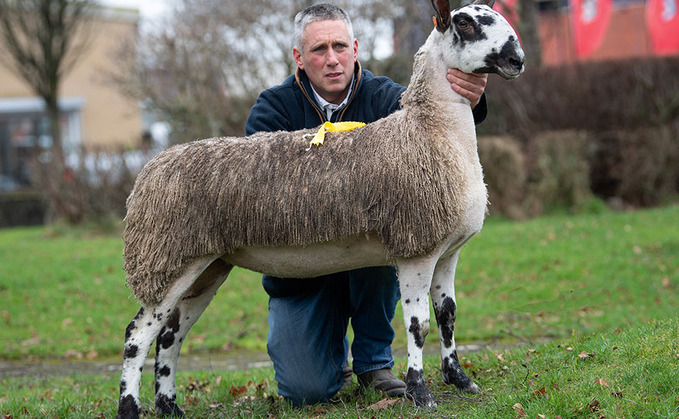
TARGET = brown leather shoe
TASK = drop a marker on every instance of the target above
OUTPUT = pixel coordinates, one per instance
(383, 380)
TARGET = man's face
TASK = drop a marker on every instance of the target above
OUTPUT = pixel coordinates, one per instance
(328, 55)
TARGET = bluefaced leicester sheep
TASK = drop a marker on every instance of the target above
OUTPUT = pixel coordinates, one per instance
(406, 190)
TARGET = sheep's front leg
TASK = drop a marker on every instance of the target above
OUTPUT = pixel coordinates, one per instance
(415, 276)
(445, 309)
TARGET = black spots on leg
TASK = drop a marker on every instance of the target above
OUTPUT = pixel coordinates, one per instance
(131, 351)
(165, 340)
(123, 386)
(453, 374)
(414, 377)
(445, 317)
(164, 371)
(128, 408)
(173, 321)
(133, 324)
(418, 332)
(139, 313)
(167, 335)
(129, 329)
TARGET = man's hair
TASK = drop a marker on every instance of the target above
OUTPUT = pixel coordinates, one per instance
(320, 11)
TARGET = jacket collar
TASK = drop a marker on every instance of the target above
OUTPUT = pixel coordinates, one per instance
(304, 84)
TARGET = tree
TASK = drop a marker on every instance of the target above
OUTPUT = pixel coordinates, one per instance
(203, 69)
(40, 41)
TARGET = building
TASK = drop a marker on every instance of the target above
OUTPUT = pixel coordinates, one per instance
(94, 113)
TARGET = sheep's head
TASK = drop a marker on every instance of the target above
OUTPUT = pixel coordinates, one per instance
(482, 40)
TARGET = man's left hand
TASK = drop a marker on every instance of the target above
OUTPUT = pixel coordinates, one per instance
(470, 86)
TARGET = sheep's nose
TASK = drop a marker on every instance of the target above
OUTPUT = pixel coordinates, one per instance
(517, 62)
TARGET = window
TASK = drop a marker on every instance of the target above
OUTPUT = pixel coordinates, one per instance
(24, 129)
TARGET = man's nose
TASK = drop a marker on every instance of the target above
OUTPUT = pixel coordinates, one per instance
(331, 58)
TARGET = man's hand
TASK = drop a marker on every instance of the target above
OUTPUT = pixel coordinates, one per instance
(470, 86)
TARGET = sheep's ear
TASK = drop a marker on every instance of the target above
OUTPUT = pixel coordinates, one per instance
(442, 18)
(488, 3)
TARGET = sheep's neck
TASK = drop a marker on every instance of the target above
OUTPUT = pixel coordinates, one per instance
(431, 101)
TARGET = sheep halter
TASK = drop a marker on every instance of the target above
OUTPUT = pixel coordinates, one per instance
(332, 127)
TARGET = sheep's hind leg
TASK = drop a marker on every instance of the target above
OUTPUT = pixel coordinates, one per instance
(445, 309)
(142, 331)
(171, 338)
(415, 277)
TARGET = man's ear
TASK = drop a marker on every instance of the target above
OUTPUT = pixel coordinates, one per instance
(297, 56)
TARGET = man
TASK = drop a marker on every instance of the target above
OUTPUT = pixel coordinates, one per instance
(309, 318)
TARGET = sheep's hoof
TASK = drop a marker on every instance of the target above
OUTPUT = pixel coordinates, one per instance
(421, 396)
(472, 388)
(168, 407)
(127, 408)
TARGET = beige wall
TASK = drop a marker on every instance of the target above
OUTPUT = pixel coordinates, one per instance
(107, 117)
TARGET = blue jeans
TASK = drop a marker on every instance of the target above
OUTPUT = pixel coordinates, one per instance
(308, 321)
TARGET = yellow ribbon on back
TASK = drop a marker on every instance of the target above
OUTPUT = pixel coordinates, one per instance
(333, 127)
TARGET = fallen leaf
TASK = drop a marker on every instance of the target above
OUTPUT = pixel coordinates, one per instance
(215, 405)
(617, 395)
(585, 355)
(237, 391)
(382, 405)
(519, 410)
(601, 382)
(500, 357)
(540, 393)
(593, 406)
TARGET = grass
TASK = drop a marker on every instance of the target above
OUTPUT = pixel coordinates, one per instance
(629, 373)
(591, 282)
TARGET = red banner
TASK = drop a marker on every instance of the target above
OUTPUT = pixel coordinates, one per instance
(662, 20)
(590, 20)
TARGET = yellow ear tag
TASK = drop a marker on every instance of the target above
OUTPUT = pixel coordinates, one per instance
(333, 127)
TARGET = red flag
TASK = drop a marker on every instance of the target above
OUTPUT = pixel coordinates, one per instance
(662, 20)
(590, 21)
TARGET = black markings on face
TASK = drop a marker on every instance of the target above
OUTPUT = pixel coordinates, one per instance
(486, 20)
(496, 59)
(467, 28)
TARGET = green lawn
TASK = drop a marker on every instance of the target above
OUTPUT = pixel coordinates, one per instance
(592, 282)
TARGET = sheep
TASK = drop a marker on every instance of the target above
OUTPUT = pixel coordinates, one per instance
(406, 190)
